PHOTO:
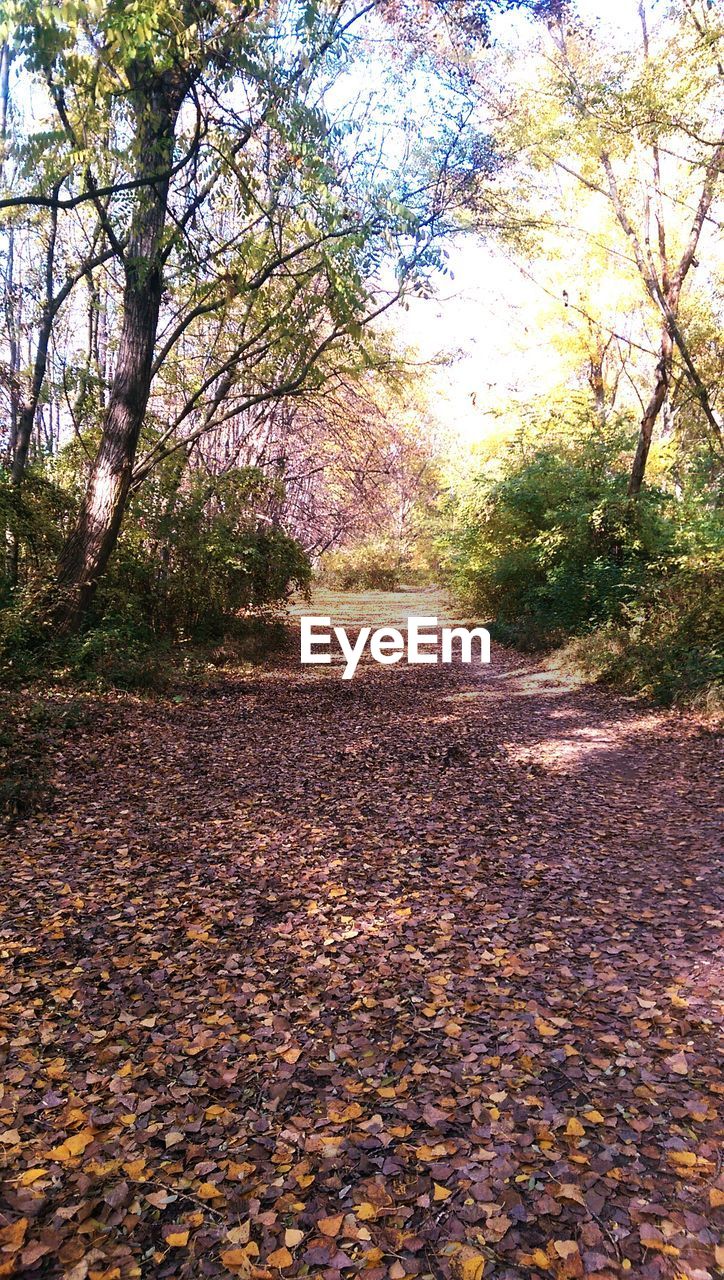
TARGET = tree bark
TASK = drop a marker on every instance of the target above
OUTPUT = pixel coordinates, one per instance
(90, 544)
(652, 411)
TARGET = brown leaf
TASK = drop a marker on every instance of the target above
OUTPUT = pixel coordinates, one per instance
(280, 1258)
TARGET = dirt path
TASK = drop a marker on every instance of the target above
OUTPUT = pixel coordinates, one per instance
(312, 977)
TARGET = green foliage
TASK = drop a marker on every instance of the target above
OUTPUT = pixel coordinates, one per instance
(193, 557)
(37, 515)
(553, 548)
(194, 554)
(369, 566)
(668, 645)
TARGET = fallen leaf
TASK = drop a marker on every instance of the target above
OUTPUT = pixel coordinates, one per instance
(332, 1226)
(280, 1258)
(177, 1239)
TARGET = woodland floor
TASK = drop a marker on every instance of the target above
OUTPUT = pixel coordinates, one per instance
(412, 975)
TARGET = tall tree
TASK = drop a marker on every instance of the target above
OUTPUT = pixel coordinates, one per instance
(635, 125)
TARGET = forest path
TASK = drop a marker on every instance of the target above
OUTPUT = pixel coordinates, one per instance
(361, 971)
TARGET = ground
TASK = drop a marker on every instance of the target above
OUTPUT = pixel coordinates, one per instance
(409, 975)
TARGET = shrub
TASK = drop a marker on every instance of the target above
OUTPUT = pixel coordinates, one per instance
(192, 557)
(552, 547)
(668, 645)
(369, 566)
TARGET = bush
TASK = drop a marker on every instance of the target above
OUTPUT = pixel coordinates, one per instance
(668, 645)
(370, 566)
(192, 558)
(553, 548)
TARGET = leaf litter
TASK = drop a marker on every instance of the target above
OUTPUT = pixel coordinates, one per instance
(409, 976)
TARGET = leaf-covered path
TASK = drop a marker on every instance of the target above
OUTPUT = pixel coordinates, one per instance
(411, 975)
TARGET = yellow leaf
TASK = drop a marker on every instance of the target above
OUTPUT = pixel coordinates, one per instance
(716, 1198)
(574, 1128)
(467, 1264)
(373, 1257)
(687, 1159)
(545, 1029)
(441, 1193)
(541, 1259)
(30, 1176)
(280, 1258)
(594, 1117)
(292, 1237)
(339, 1114)
(236, 1259)
(177, 1239)
(74, 1146)
(365, 1211)
(208, 1191)
(12, 1236)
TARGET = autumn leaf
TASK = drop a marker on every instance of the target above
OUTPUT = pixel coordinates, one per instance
(544, 1028)
(177, 1239)
(332, 1226)
(467, 1264)
(12, 1235)
(73, 1146)
(236, 1260)
(365, 1212)
(208, 1191)
(684, 1159)
(240, 1234)
(569, 1191)
(280, 1258)
(291, 1054)
(678, 1064)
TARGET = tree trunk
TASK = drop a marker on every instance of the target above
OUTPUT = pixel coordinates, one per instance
(89, 546)
(652, 411)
